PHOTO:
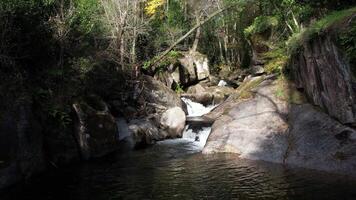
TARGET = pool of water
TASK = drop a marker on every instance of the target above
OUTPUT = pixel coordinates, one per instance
(175, 169)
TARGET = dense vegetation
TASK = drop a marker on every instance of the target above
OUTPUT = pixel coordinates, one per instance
(53, 51)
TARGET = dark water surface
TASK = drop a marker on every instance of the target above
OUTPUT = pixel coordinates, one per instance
(176, 170)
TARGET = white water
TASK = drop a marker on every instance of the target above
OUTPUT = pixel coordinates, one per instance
(195, 109)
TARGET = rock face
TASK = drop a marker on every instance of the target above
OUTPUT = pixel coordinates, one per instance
(267, 127)
(96, 128)
(317, 141)
(21, 143)
(321, 70)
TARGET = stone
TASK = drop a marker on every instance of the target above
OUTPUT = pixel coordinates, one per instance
(173, 122)
(96, 128)
(255, 129)
(208, 95)
(157, 96)
(257, 70)
(322, 72)
(316, 141)
(194, 67)
(21, 144)
(144, 132)
(267, 127)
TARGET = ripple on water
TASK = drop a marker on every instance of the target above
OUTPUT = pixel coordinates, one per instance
(175, 170)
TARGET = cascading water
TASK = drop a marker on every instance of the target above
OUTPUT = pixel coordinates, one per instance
(199, 137)
(196, 109)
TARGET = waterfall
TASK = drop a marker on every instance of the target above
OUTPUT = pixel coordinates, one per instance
(196, 109)
(200, 136)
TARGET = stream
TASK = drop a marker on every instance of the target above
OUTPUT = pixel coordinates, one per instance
(175, 169)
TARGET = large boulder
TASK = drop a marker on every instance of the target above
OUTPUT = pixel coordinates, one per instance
(193, 67)
(173, 122)
(321, 70)
(276, 124)
(96, 128)
(156, 96)
(160, 113)
(255, 128)
(21, 143)
(144, 132)
(208, 95)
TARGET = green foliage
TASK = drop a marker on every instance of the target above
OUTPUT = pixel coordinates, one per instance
(347, 40)
(317, 28)
(286, 91)
(277, 59)
(178, 89)
(59, 116)
(261, 24)
(171, 58)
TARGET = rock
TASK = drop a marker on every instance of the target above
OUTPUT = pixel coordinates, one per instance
(96, 128)
(321, 70)
(144, 132)
(157, 97)
(270, 128)
(173, 122)
(21, 143)
(255, 129)
(257, 70)
(193, 68)
(208, 95)
(317, 141)
(166, 78)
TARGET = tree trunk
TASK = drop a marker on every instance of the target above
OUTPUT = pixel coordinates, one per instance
(197, 37)
(189, 33)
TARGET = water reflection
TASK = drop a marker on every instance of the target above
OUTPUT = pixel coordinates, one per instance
(176, 170)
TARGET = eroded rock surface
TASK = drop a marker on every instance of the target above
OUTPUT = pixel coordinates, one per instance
(324, 74)
(268, 127)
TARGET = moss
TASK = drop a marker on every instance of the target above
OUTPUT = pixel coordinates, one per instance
(286, 91)
(245, 89)
(296, 41)
(347, 41)
(260, 25)
(277, 60)
(171, 58)
(340, 156)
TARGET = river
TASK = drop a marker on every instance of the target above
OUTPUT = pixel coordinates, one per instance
(175, 169)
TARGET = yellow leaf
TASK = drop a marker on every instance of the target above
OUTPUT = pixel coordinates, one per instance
(153, 5)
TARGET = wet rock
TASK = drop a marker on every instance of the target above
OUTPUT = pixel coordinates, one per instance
(321, 70)
(144, 132)
(96, 128)
(173, 122)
